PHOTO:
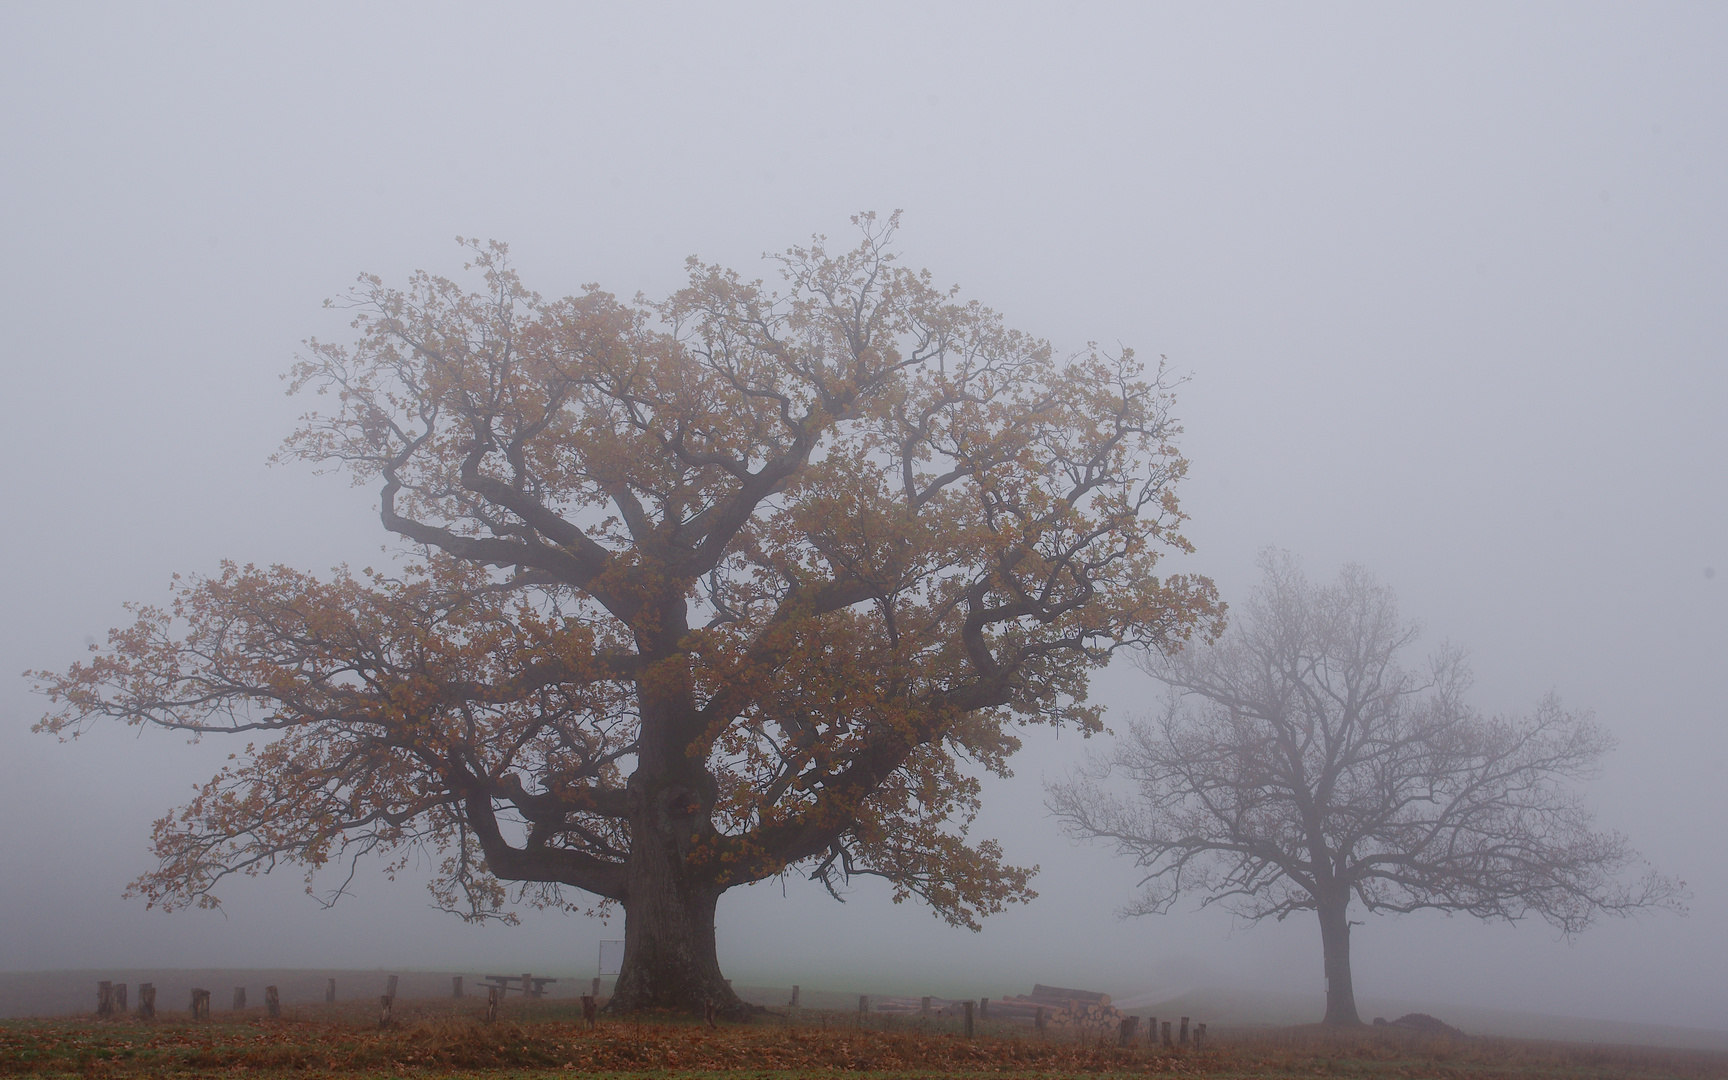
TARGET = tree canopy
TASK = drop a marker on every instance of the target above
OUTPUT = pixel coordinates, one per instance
(1299, 766)
(697, 592)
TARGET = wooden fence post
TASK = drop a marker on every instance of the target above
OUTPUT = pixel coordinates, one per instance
(590, 1011)
(1151, 1031)
(239, 998)
(863, 1005)
(1167, 1040)
(491, 1003)
(793, 1004)
(1130, 1026)
(969, 1005)
(1182, 1039)
(924, 1005)
(595, 989)
(983, 1008)
(1038, 1020)
(200, 1004)
(146, 1001)
(455, 986)
(384, 1003)
(119, 999)
(1199, 1036)
(390, 986)
(527, 983)
(329, 991)
(272, 1002)
(104, 999)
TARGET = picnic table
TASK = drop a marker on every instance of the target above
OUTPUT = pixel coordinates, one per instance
(530, 985)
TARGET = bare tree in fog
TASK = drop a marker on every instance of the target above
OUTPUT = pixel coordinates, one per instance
(709, 590)
(1299, 767)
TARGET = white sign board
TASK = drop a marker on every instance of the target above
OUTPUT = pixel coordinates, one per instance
(611, 957)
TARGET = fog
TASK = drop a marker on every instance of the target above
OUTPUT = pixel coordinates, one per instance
(1450, 284)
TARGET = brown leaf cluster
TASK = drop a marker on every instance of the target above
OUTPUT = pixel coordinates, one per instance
(445, 1043)
(441, 1043)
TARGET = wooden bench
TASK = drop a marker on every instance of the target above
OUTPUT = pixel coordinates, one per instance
(529, 985)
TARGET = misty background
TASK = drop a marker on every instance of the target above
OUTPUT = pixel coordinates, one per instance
(1451, 283)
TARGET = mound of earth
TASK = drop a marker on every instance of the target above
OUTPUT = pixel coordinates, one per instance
(1421, 1023)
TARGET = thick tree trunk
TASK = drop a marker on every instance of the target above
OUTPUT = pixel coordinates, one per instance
(669, 956)
(1335, 944)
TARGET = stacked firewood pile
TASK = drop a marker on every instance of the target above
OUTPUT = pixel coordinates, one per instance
(1086, 1013)
(1086, 1010)
(1061, 1008)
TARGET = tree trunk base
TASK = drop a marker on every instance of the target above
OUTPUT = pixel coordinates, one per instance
(731, 1007)
(1335, 944)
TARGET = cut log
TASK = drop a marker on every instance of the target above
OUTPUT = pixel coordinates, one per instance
(1057, 993)
(1002, 1008)
(920, 1005)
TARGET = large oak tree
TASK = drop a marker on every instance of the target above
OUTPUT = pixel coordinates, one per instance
(695, 593)
(1300, 766)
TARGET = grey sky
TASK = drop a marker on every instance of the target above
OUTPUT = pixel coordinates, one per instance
(1451, 283)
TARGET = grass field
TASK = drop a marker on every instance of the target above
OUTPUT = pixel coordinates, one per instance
(447, 1038)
